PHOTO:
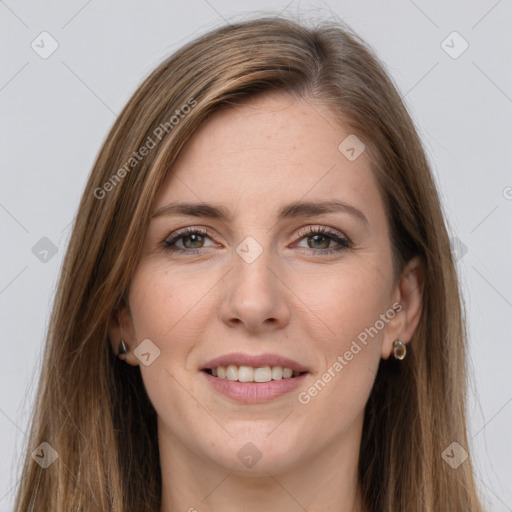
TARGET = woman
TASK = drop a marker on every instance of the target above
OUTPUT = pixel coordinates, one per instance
(258, 308)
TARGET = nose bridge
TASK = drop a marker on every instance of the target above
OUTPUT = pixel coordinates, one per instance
(252, 267)
(253, 294)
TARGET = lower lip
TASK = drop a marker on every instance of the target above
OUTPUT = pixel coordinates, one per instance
(254, 392)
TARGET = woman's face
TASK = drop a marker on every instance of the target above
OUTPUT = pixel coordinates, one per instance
(262, 283)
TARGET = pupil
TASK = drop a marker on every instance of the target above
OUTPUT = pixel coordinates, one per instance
(191, 237)
(316, 237)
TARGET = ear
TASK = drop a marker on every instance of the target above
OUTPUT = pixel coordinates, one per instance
(408, 293)
(121, 328)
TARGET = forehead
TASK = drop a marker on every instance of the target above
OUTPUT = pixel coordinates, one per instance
(267, 152)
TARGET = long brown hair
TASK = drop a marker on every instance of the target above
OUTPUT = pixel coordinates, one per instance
(92, 408)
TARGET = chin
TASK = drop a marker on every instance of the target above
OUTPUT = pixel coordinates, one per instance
(259, 452)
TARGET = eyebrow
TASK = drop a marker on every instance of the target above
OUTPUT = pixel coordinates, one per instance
(289, 211)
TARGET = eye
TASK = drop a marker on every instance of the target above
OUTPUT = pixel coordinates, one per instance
(191, 240)
(319, 240)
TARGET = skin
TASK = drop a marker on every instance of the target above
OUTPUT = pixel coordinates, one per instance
(252, 159)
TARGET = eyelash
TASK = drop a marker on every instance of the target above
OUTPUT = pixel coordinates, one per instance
(344, 243)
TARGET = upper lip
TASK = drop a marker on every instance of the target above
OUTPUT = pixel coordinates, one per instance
(256, 361)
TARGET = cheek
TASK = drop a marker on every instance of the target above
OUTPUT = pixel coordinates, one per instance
(348, 330)
(163, 302)
(169, 308)
(342, 305)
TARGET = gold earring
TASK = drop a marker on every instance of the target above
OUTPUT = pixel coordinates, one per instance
(399, 349)
(122, 349)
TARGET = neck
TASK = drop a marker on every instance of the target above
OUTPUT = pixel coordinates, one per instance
(327, 481)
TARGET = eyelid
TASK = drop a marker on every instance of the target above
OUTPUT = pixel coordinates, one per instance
(320, 228)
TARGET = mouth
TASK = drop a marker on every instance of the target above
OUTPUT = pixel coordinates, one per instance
(258, 374)
(250, 378)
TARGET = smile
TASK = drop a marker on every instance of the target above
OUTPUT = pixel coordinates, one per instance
(254, 378)
(249, 374)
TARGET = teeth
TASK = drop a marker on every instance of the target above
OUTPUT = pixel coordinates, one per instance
(245, 374)
(277, 373)
(232, 372)
(250, 374)
(263, 374)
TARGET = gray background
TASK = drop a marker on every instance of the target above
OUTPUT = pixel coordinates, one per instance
(55, 112)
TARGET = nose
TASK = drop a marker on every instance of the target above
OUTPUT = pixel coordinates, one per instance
(254, 296)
